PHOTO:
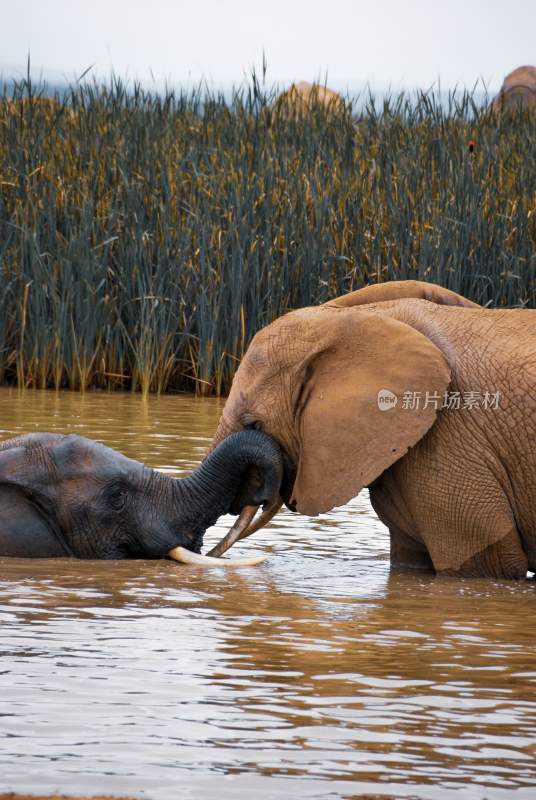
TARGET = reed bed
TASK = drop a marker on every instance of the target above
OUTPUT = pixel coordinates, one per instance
(146, 238)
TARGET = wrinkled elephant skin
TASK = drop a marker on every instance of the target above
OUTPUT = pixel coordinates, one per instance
(64, 496)
(418, 394)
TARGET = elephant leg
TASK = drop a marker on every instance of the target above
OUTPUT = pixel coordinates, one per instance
(503, 559)
(407, 553)
(457, 514)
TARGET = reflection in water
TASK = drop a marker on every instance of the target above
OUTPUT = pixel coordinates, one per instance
(316, 675)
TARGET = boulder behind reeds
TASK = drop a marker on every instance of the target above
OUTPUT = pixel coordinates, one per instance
(518, 91)
(301, 97)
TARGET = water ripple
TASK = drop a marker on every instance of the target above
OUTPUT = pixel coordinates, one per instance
(319, 674)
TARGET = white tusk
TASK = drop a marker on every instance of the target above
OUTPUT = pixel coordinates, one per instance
(184, 556)
(236, 532)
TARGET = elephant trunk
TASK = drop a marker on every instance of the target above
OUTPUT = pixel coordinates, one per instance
(242, 473)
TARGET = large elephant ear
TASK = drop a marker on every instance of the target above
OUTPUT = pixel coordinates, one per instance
(355, 409)
(401, 290)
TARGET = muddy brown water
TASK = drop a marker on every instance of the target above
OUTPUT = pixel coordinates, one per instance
(317, 675)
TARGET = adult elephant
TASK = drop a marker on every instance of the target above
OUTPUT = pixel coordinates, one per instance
(70, 496)
(518, 90)
(418, 394)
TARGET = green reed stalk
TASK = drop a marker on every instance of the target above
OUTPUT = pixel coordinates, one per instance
(146, 238)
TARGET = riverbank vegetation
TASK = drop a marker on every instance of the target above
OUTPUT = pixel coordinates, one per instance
(145, 238)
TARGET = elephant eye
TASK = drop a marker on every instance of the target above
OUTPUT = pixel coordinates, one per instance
(248, 420)
(117, 498)
(253, 426)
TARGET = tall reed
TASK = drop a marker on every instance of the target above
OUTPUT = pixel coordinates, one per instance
(145, 238)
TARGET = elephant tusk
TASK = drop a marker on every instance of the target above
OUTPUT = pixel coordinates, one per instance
(267, 515)
(239, 528)
(184, 556)
(243, 526)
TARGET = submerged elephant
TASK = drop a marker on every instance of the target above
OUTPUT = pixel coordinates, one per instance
(418, 394)
(70, 496)
(518, 90)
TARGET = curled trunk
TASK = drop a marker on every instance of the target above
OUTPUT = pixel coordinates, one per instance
(241, 474)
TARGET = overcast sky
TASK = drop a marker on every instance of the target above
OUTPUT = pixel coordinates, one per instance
(397, 43)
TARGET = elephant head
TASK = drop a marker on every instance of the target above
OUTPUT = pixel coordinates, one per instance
(518, 90)
(312, 381)
(70, 496)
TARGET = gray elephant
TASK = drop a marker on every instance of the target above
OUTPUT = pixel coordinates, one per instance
(70, 496)
(518, 90)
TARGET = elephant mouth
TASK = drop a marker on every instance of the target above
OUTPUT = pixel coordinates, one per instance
(256, 490)
(242, 528)
(246, 524)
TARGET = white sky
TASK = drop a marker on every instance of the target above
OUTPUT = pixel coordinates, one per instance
(397, 43)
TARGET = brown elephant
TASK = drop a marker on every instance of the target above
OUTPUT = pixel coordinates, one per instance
(518, 90)
(302, 96)
(421, 396)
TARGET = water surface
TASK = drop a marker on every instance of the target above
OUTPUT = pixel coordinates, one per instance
(317, 675)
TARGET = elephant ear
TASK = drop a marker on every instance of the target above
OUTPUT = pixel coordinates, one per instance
(13, 462)
(354, 416)
(23, 460)
(25, 531)
(401, 290)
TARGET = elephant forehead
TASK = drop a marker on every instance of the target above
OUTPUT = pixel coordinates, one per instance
(77, 456)
(285, 340)
(277, 353)
(271, 368)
